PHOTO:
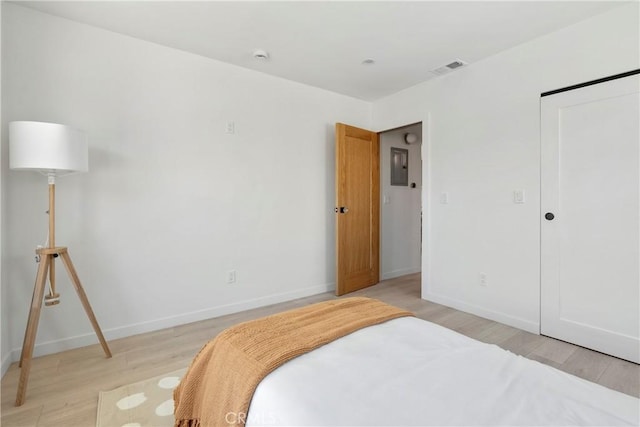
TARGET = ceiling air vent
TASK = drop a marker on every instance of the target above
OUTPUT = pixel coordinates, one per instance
(449, 67)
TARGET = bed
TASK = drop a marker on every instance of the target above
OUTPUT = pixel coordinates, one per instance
(405, 371)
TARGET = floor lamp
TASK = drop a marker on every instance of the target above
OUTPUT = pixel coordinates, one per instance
(52, 150)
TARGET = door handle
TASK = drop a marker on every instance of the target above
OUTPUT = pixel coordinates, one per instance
(549, 216)
(342, 209)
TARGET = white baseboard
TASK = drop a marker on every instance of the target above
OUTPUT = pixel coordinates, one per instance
(516, 322)
(397, 273)
(166, 322)
(6, 362)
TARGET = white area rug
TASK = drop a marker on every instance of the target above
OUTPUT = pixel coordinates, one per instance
(146, 403)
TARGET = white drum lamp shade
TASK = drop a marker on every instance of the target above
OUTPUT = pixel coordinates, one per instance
(47, 147)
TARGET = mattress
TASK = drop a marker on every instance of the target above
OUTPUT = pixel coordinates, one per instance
(410, 372)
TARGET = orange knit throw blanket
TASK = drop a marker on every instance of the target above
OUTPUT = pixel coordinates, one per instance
(218, 387)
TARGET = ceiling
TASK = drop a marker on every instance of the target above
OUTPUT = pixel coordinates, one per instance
(323, 44)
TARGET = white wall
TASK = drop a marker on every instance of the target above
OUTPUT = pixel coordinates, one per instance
(400, 217)
(171, 202)
(483, 143)
(5, 347)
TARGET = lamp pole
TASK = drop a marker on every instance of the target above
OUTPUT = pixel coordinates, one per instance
(53, 298)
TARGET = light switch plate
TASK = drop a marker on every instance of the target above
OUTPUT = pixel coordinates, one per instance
(231, 128)
(518, 196)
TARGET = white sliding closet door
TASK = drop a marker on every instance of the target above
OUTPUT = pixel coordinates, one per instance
(590, 272)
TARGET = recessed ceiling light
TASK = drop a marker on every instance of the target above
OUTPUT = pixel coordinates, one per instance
(260, 54)
(368, 61)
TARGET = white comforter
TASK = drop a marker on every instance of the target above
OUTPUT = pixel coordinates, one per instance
(410, 372)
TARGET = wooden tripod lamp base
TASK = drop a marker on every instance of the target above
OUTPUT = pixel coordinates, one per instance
(53, 150)
(47, 257)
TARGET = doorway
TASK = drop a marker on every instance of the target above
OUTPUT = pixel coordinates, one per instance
(359, 202)
(400, 202)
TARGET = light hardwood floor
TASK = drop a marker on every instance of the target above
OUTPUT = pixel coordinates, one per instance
(63, 388)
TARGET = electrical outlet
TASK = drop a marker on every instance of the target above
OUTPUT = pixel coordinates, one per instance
(444, 198)
(483, 279)
(231, 276)
(518, 196)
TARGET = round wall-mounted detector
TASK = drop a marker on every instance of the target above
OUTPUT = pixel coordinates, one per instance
(410, 138)
(261, 54)
(368, 61)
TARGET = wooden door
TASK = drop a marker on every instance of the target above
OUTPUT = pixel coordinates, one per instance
(357, 208)
(590, 226)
